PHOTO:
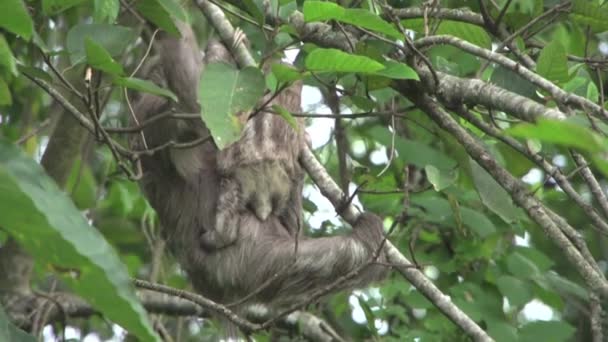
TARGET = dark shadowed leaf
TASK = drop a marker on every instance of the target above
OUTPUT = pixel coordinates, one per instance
(51, 7)
(113, 38)
(492, 194)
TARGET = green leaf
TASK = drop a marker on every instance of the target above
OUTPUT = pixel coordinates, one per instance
(553, 62)
(100, 59)
(332, 60)
(255, 9)
(558, 132)
(368, 20)
(285, 73)
(113, 38)
(155, 11)
(81, 186)
(285, 114)
(590, 13)
(15, 18)
(10, 333)
(321, 11)
(517, 292)
(509, 80)
(439, 179)
(477, 222)
(45, 222)
(51, 7)
(105, 10)
(7, 59)
(492, 194)
(566, 286)
(225, 105)
(553, 331)
(5, 94)
(520, 266)
(145, 86)
(540, 260)
(469, 32)
(501, 331)
(175, 9)
(398, 71)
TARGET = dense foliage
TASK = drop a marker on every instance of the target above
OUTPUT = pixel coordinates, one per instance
(477, 129)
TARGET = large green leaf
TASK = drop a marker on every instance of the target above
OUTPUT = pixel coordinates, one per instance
(226, 95)
(558, 132)
(553, 62)
(157, 12)
(47, 224)
(333, 60)
(15, 18)
(113, 38)
(100, 59)
(320, 11)
(174, 8)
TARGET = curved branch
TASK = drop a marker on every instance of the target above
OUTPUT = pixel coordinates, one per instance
(555, 91)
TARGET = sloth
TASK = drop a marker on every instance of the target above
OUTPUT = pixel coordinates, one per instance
(232, 217)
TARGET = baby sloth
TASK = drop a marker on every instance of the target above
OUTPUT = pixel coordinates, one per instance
(233, 216)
